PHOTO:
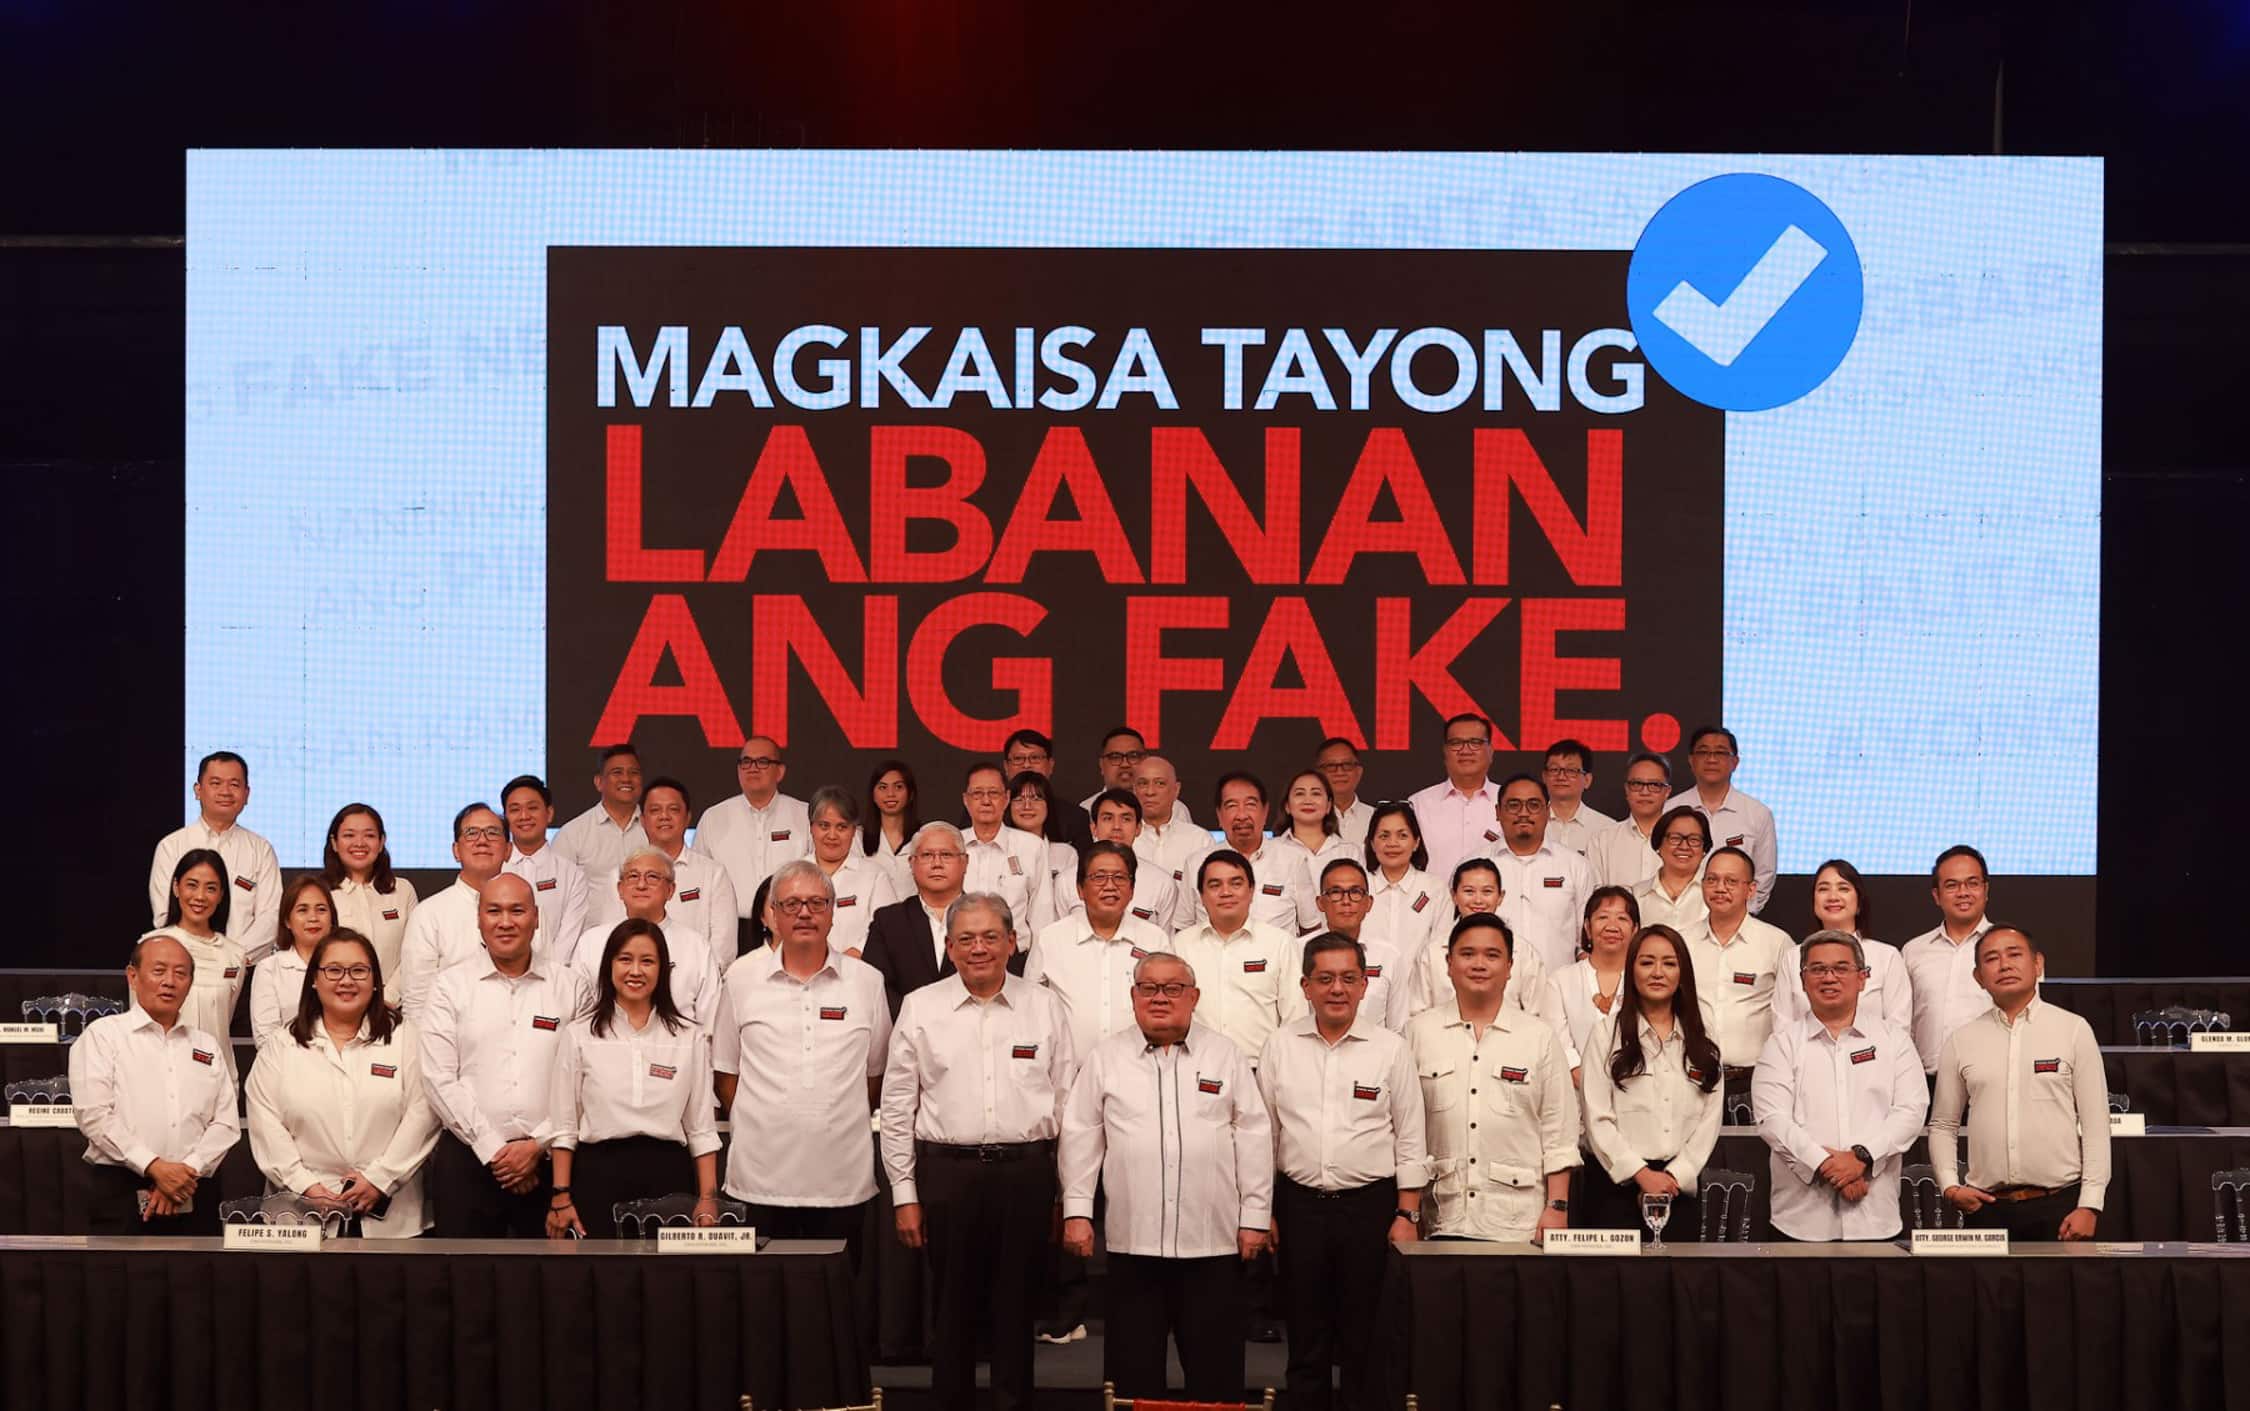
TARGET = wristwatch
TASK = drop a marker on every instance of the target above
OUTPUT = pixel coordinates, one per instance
(1864, 1159)
(1558, 1205)
(1411, 1217)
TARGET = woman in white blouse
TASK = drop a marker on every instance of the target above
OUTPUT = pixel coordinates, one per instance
(1401, 895)
(1476, 887)
(861, 883)
(1311, 838)
(277, 983)
(1031, 809)
(370, 898)
(196, 917)
(338, 1113)
(1840, 903)
(1674, 895)
(894, 813)
(1588, 990)
(1653, 1093)
(631, 1103)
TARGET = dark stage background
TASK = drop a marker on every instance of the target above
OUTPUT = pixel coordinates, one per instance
(102, 100)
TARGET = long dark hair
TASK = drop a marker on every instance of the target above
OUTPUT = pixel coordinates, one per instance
(1031, 781)
(761, 935)
(382, 1019)
(1863, 918)
(604, 1003)
(332, 863)
(1702, 1055)
(283, 938)
(1420, 860)
(189, 861)
(872, 833)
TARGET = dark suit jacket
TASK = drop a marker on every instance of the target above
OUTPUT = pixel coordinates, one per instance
(898, 946)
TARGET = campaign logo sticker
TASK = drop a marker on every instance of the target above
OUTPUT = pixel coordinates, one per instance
(232, 972)
(1208, 1085)
(1271, 889)
(1373, 972)
(1865, 1055)
(1139, 954)
(390, 916)
(1744, 977)
(780, 837)
(546, 886)
(1253, 967)
(545, 1022)
(203, 1056)
(246, 884)
(1421, 901)
(1015, 865)
(1367, 1092)
(1735, 841)
(832, 1011)
(1550, 881)
(1515, 1075)
(662, 1070)
(383, 1070)
(691, 894)
(2046, 1065)
(1146, 913)
(842, 902)
(1025, 1051)
(1490, 836)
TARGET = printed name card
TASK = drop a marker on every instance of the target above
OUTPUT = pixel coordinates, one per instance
(1961, 1242)
(1592, 1242)
(47, 1032)
(2219, 1043)
(273, 1239)
(707, 1239)
(2128, 1124)
(42, 1114)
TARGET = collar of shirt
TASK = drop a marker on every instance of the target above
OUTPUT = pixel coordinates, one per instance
(1185, 1043)
(771, 968)
(493, 971)
(1308, 1026)
(139, 1018)
(1817, 1029)
(1976, 933)
(1087, 935)
(328, 1041)
(962, 995)
(2030, 1011)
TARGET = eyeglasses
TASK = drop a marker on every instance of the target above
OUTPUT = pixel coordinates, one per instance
(1647, 786)
(1467, 742)
(1522, 805)
(802, 906)
(1339, 766)
(758, 761)
(1953, 886)
(1710, 754)
(1123, 756)
(985, 795)
(1684, 840)
(1323, 979)
(1346, 894)
(1106, 879)
(1563, 771)
(639, 878)
(1026, 761)
(333, 973)
(1719, 882)
(1170, 989)
(938, 855)
(484, 835)
(1820, 971)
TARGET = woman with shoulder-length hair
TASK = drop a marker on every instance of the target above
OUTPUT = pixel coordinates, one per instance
(197, 916)
(369, 896)
(338, 1112)
(894, 816)
(631, 1102)
(277, 983)
(1840, 903)
(1651, 1078)
(860, 881)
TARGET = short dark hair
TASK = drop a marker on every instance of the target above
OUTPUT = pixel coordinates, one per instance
(1325, 942)
(663, 781)
(527, 781)
(1029, 737)
(1567, 746)
(1103, 847)
(1521, 778)
(1997, 928)
(610, 752)
(1336, 862)
(1477, 920)
(1732, 851)
(1963, 850)
(463, 816)
(1121, 798)
(1239, 776)
(1696, 736)
(1468, 865)
(1466, 717)
(1866, 921)
(1673, 815)
(1334, 740)
(979, 766)
(203, 765)
(1651, 757)
(1231, 858)
(1421, 855)
(1116, 730)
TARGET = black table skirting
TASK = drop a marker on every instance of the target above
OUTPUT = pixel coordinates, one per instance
(1841, 1328)
(2176, 1088)
(2109, 1005)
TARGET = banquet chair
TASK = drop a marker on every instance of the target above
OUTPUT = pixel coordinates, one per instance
(1111, 1401)
(48, 1090)
(2170, 1027)
(283, 1208)
(1739, 1112)
(69, 1013)
(1725, 1199)
(1926, 1205)
(2228, 1190)
(641, 1219)
(2119, 1102)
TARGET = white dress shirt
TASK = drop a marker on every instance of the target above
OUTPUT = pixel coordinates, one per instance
(1544, 899)
(318, 1112)
(1578, 831)
(1621, 856)
(1943, 977)
(803, 1051)
(1092, 976)
(2038, 1103)
(1686, 913)
(1284, 850)
(1814, 1090)
(1456, 826)
(696, 967)
(560, 889)
(862, 885)
(1389, 998)
(1889, 992)
(702, 898)
(595, 843)
(489, 1043)
(893, 864)
(221, 974)
(1738, 979)
(1407, 908)
(1011, 864)
(143, 1093)
(1250, 981)
(441, 934)
(1345, 1114)
(1057, 896)
(253, 882)
(1529, 991)
(1351, 825)
(752, 843)
(967, 1072)
(648, 1082)
(379, 916)
(1179, 1139)
(277, 987)
(1660, 1114)
(1575, 991)
(1501, 1116)
(1739, 821)
(1176, 846)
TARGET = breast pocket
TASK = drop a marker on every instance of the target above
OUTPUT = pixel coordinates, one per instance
(1441, 1088)
(2053, 1080)
(1505, 1088)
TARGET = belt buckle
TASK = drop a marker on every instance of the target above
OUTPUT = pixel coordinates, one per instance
(989, 1152)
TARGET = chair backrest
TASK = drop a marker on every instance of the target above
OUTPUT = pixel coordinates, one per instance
(640, 1219)
(1111, 1401)
(69, 1013)
(55, 1089)
(283, 1208)
(2156, 1028)
(2228, 1190)
(2119, 1102)
(1926, 1205)
(1725, 1199)
(1738, 1112)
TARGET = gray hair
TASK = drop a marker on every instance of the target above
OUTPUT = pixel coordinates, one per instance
(981, 901)
(914, 844)
(1155, 955)
(829, 796)
(1833, 938)
(655, 855)
(800, 867)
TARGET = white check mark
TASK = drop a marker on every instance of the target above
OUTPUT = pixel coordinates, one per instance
(1721, 331)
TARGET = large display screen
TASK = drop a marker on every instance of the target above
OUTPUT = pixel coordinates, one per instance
(495, 457)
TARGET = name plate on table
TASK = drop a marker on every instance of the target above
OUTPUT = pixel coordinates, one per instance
(47, 1032)
(707, 1239)
(42, 1114)
(1597, 1242)
(2128, 1124)
(273, 1239)
(2219, 1043)
(1961, 1242)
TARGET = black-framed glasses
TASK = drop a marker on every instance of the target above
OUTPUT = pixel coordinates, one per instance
(1468, 742)
(335, 973)
(1170, 989)
(802, 906)
(758, 761)
(1685, 840)
(1345, 893)
(1123, 756)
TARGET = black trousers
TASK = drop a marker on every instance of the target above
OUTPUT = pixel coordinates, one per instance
(813, 1222)
(1334, 1249)
(1069, 1299)
(113, 1206)
(1603, 1204)
(467, 1204)
(1198, 1302)
(988, 1226)
(604, 1175)
(2032, 1221)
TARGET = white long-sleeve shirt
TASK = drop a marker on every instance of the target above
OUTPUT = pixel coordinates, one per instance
(647, 1082)
(143, 1093)
(1179, 1139)
(2038, 1104)
(1250, 981)
(441, 934)
(253, 882)
(595, 842)
(558, 887)
(276, 988)
(752, 842)
(1346, 1114)
(221, 975)
(317, 1112)
(1739, 979)
(379, 916)
(1407, 908)
(1889, 992)
(1739, 821)
(1660, 1114)
(702, 899)
(1814, 1090)
(489, 1043)
(1501, 1116)
(1090, 974)
(1943, 977)
(967, 1072)
(1543, 899)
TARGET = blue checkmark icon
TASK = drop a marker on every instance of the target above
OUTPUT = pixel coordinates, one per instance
(1745, 292)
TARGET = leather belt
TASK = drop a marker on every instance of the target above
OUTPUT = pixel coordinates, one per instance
(2025, 1192)
(988, 1151)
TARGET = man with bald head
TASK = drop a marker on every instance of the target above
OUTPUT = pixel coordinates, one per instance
(489, 1030)
(1169, 838)
(442, 932)
(155, 1103)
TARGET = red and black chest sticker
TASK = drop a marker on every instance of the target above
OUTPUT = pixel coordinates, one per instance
(691, 894)
(546, 886)
(1253, 967)
(1490, 836)
(1865, 1055)
(1208, 1085)
(383, 1070)
(1745, 977)
(832, 1011)
(780, 837)
(246, 884)
(1272, 889)
(202, 1056)
(1139, 954)
(1735, 841)
(2046, 1065)
(1515, 1075)
(232, 972)
(1026, 1051)
(545, 1022)
(663, 1070)
(1421, 901)
(1550, 881)
(842, 902)
(1373, 972)
(1146, 913)
(1367, 1092)
(390, 915)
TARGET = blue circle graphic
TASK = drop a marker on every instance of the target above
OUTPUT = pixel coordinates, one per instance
(1745, 292)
